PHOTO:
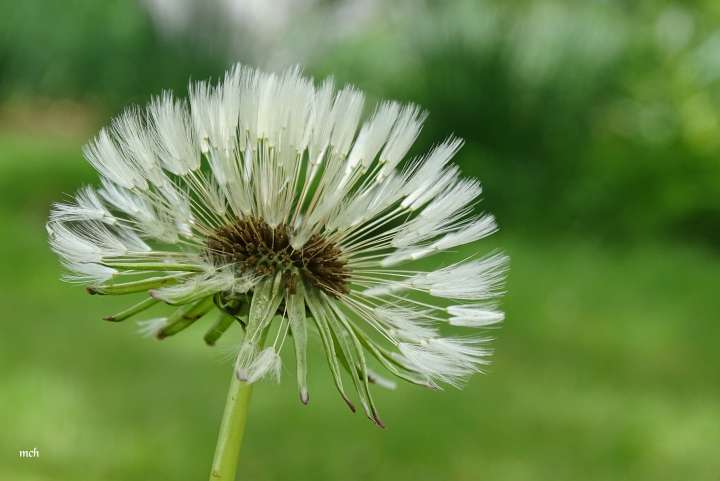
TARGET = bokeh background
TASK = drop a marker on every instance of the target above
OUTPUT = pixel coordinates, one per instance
(595, 128)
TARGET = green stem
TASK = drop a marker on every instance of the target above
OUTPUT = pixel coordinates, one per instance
(231, 433)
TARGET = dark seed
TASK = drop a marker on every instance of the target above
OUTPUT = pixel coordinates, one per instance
(252, 245)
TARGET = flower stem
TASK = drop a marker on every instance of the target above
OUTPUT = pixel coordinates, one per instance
(231, 433)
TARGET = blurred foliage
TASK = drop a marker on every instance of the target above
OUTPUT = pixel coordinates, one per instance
(107, 53)
(593, 117)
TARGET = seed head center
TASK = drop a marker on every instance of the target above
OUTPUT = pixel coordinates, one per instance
(251, 245)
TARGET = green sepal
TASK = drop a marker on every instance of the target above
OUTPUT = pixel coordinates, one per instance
(154, 266)
(265, 301)
(135, 286)
(347, 362)
(185, 316)
(194, 296)
(319, 316)
(222, 324)
(237, 307)
(132, 310)
(298, 326)
(353, 360)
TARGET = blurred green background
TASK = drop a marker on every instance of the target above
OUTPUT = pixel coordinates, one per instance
(595, 127)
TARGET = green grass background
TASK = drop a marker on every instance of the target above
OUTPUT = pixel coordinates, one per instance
(606, 369)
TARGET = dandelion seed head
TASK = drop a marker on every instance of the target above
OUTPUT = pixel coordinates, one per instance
(290, 209)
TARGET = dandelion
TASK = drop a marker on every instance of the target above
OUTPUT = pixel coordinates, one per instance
(268, 200)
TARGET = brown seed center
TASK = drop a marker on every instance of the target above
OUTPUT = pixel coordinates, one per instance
(251, 245)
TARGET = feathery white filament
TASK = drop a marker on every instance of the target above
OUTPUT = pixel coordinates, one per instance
(474, 315)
